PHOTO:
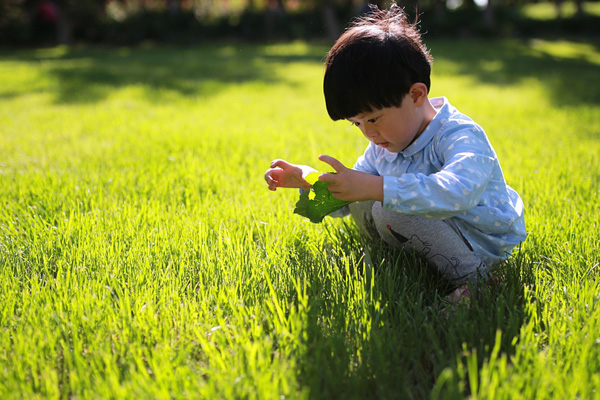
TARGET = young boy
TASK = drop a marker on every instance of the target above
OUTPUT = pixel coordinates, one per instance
(429, 181)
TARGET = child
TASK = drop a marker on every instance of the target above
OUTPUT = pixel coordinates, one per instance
(429, 181)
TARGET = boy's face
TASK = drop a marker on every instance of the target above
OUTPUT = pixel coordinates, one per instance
(393, 128)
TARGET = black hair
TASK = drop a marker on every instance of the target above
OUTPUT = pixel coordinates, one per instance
(374, 63)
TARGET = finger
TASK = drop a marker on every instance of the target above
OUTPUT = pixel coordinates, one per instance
(331, 178)
(272, 182)
(268, 176)
(279, 163)
(334, 190)
(335, 164)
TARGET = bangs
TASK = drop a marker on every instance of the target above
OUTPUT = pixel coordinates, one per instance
(365, 86)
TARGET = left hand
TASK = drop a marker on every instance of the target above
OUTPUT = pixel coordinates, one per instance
(351, 185)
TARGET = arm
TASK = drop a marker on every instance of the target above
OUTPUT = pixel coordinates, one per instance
(282, 174)
(469, 163)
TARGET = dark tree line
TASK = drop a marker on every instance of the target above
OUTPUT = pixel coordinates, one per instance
(64, 21)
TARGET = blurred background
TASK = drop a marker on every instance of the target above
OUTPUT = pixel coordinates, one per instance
(131, 22)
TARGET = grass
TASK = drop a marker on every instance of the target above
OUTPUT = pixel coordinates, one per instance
(547, 10)
(141, 254)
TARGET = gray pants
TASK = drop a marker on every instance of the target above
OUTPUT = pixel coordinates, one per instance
(439, 241)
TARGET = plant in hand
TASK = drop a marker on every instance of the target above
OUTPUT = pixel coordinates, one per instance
(317, 202)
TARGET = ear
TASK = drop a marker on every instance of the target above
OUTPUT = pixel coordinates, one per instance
(418, 93)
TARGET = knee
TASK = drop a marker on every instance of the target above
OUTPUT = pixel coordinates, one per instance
(387, 222)
(382, 217)
(363, 217)
(360, 208)
(378, 211)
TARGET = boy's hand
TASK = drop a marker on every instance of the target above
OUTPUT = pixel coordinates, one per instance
(285, 175)
(351, 185)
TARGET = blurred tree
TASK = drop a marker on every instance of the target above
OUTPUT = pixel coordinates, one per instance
(489, 14)
(274, 15)
(71, 12)
(330, 20)
(173, 6)
(411, 6)
(469, 4)
(45, 20)
(579, 4)
(558, 6)
(65, 23)
(439, 10)
(135, 20)
(578, 7)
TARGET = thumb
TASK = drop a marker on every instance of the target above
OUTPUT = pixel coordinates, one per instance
(335, 164)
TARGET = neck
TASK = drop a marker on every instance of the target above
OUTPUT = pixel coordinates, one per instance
(429, 113)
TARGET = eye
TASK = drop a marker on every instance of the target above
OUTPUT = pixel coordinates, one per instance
(373, 120)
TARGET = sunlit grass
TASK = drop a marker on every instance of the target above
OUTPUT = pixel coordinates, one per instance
(547, 10)
(142, 256)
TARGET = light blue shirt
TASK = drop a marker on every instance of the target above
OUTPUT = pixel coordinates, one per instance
(452, 171)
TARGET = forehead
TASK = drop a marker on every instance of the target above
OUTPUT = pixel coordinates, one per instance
(365, 115)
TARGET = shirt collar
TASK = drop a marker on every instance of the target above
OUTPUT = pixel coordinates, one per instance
(389, 156)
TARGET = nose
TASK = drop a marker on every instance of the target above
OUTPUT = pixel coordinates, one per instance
(370, 132)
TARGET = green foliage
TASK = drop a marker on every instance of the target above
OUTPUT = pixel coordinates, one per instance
(135, 22)
(142, 256)
(318, 202)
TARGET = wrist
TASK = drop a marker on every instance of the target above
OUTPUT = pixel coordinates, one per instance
(377, 188)
(371, 187)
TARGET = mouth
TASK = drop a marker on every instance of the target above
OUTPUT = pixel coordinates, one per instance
(383, 144)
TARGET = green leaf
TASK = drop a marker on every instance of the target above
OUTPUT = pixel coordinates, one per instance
(317, 202)
(313, 177)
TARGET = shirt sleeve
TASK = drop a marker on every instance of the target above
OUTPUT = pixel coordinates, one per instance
(366, 162)
(468, 161)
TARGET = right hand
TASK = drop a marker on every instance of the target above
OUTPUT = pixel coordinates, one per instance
(285, 175)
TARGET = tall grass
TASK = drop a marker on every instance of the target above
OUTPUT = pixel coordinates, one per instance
(142, 256)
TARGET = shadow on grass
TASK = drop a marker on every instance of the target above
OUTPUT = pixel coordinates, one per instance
(568, 72)
(89, 75)
(397, 343)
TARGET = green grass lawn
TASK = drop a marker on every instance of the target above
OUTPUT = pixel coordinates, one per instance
(142, 256)
(547, 10)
